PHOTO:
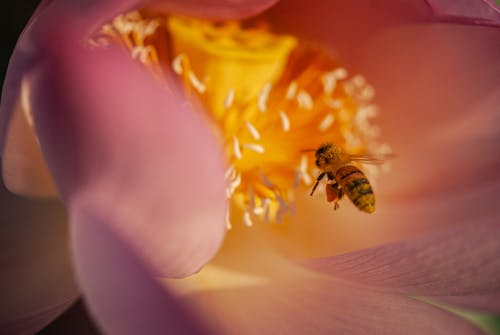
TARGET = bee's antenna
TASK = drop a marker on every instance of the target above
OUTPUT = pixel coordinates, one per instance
(307, 150)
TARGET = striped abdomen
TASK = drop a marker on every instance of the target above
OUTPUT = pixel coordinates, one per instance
(354, 183)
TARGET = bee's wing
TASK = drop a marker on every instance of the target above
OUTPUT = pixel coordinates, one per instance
(376, 159)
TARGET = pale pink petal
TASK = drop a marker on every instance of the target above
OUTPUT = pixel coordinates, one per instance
(36, 279)
(321, 307)
(123, 146)
(488, 302)
(457, 261)
(213, 9)
(248, 289)
(467, 11)
(121, 293)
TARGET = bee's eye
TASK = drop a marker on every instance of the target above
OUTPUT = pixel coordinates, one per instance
(317, 162)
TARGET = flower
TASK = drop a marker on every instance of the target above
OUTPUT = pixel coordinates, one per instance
(130, 160)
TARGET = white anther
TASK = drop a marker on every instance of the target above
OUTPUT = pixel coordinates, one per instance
(196, 83)
(253, 131)
(340, 73)
(177, 64)
(304, 99)
(228, 102)
(327, 122)
(303, 163)
(230, 173)
(368, 93)
(285, 121)
(140, 53)
(291, 90)
(303, 174)
(236, 182)
(236, 148)
(151, 27)
(247, 219)
(254, 147)
(263, 97)
(228, 220)
(359, 80)
(329, 81)
(306, 178)
(334, 103)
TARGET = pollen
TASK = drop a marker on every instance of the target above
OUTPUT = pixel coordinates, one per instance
(272, 98)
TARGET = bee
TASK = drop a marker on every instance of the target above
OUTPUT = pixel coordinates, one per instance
(344, 177)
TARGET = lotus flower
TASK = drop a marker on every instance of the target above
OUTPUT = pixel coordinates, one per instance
(136, 159)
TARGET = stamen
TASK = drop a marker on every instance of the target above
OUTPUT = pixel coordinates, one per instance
(228, 102)
(264, 96)
(177, 64)
(333, 103)
(197, 84)
(304, 99)
(359, 80)
(329, 82)
(230, 173)
(265, 181)
(327, 122)
(368, 93)
(236, 148)
(267, 211)
(285, 122)
(254, 147)
(291, 90)
(251, 198)
(340, 73)
(247, 219)
(253, 131)
(228, 219)
(150, 28)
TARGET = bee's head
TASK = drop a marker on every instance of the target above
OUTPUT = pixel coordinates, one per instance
(325, 154)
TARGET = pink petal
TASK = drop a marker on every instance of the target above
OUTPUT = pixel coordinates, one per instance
(426, 82)
(213, 9)
(32, 179)
(37, 278)
(467, 11)
(438, 89)
(457, 261)
(121, 293)
(488, 302)
(278, 297)
(323, 308)
(122, 146)
(23, 167)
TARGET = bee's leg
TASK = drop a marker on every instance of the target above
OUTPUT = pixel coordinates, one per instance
(339, 193)
(321, 175)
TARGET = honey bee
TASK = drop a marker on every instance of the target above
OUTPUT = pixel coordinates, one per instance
(344, 177)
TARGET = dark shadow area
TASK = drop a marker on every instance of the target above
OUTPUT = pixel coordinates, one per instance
(75, 321)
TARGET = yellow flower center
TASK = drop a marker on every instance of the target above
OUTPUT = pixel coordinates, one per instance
(271, 99)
